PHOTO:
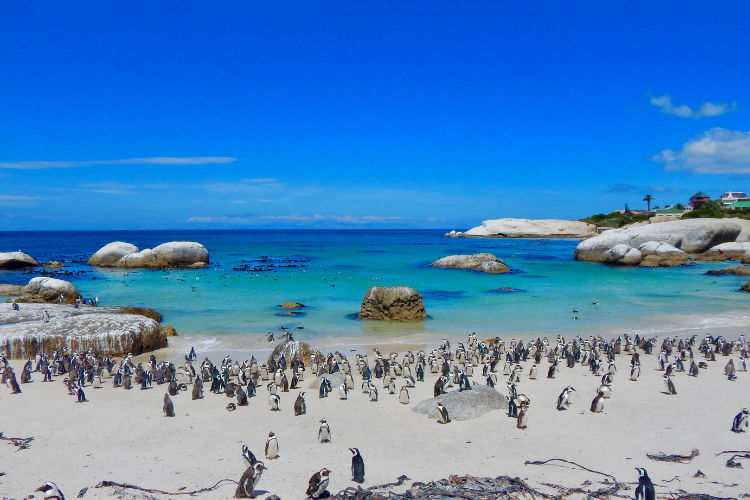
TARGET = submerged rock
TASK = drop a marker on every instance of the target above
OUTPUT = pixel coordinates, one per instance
(745, 287)
(735, 270)
(48, 290)
(291, 348)
(23, 333)
(485, 262)
(16, 260)
(292, 305)
(464, 405)
(54, 264)
(394, 303)
(529, 228)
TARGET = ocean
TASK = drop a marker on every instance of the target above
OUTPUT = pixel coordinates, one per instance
(235, 300)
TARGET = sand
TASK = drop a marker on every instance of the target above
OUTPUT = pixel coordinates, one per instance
(123, 436)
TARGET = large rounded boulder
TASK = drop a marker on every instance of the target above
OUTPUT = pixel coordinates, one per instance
(292, 348)
(484, 262)
(733, 250)
(16, 260)
(393, 303)
(464, 405)
(111, 253)
(146, 258)
(181, 253)
(48, 290)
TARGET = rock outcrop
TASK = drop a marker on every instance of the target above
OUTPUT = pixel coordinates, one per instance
(172, 254)
(484, 262)
(48, 290)
(745, 287)
(394, 303)
(10, 289)
(733, 250)
(105, 329)
(292, 305)
(734, 270)
(464, 405)
(691, 236)
(16, 260)
(292, 348)
(528, 228)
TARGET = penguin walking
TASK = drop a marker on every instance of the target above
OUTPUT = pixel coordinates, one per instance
(272, 446)
(299, 405)
(645, 488)
(670, 385)
(274, 401)
(443, 417)
(597, 405)
(564, 399)
(358, 466)
(741, 421)
(168, 407)
(324, 432)
(403, 395)
(51, 491)
(249, 481)
(522, 421)
(318, 484)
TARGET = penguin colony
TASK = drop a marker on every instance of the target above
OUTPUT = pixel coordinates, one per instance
(451, 367)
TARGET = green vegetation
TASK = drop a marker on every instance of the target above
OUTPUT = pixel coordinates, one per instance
(711, 209)
(615, 219)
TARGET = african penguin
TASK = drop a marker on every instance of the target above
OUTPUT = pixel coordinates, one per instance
(324, 432)
(249, 481)
(522, 420)
(670, 385)
(274, 401)
(168, 407)
(51, 491)
(741, 421)
(403, 395)
(318, 483)
(248, 455)
(563, 400)
(299, 405)
(645, 488)
(358, 466)
(443, 417)
(272, 446)
(597, 405)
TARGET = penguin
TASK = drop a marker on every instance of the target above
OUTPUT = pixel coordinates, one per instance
(693, 371)
(343, 391)
(248, 455)
(443, 417)
(372, 391)
(522, 421)
(249, 481)
(14, 387)
(197, 389)
(241, 396)
(392, 387)
(80, 395)
(168, 407)
(439, 386)
(358, 466)
(127, 382)
(670, 385)
(533, 372)
(635, 371)
(420, 373)
(553, 368)
(403, 395)
(645, 488)
(26, 374)
(597, 405)
(299, 405)
(96, 382)
(324, 432)
(173, 389)
(51, 491)
(741, 421)
(272, 446)
(349, 381)
(318, 483)
(325, 388)
(605, 390)
(729, 370)
(563, 400)
(273, 402)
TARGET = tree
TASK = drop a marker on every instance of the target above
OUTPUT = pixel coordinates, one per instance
(627, 209)
(648, 199)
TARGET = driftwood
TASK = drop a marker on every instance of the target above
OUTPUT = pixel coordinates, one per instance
(683, 495)
(600, 493)
(113, 484)
(20, 443)
(663, 457)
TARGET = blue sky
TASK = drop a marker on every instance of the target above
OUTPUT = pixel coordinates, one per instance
(126, 115)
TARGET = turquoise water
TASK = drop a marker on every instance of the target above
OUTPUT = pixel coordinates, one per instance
(335, 268)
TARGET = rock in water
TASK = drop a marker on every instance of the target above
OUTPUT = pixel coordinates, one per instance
(48, 290)
(16, 260)
(528, 228)
(690, 236)
(485, 262)
(394, 303)
(657, 254)
(734, 250)
(105, 329)
(735, 270)
(464, 405)
(745, 287)
(292, 305)
(10, 289)
(181, 253)
(111, 253)
(290, 348)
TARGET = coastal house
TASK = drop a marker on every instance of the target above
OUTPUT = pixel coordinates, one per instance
(741, 205)
(733, 196)
(698, 200)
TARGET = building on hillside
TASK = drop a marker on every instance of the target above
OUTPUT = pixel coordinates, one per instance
(733, 196)
(742, 205)
(698, 200)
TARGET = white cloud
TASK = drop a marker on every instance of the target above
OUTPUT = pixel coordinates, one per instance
(11, 199)
(707, 109)
(295, 218)
(717, 151)
(156, 160)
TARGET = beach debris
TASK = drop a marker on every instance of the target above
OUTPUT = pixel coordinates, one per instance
(82, 492)
(611, 488)
(127, 486)
(736, 454)
(699, 473)
(663, 457)
(20, 443)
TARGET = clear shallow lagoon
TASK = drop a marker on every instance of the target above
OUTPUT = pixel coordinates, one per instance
(336, 267)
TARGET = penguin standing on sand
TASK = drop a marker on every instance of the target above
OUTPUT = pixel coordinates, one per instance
(597, 405)
(372, 391)
(645, 488)
(168, 407)
(670, 385)
(299, 405)
(741, 421)
(563, 400)
(343, 391)
(241, 396)
(272, 446)
(197, 389)
(318, 483)
(522, 420)
(635, 371)
(358, 466)
(249, 481)
(403, 395)
(274, 401)
(324, 432)
(443, 417)
(532, 372)
(693, 371)
(173, 389)
(553, 368)
(51, 491)
(729, 370)
(80, 395)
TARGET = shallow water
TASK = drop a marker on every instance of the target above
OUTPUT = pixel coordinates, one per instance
(329, 271)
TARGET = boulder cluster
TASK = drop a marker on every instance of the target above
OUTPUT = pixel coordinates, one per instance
(484, 262)
(173, 254)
